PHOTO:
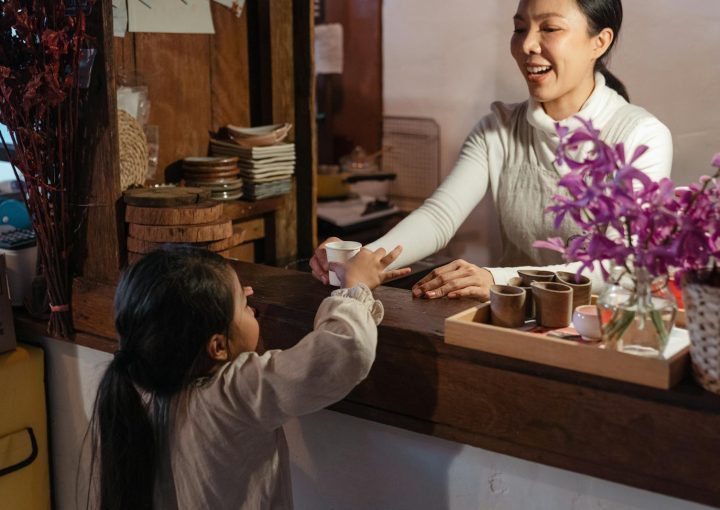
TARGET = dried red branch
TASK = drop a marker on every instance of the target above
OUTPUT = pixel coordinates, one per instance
(40, 44)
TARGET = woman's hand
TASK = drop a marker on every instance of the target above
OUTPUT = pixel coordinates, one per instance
(454, 280)
(368, 267)
(320, 266)
(319, 261)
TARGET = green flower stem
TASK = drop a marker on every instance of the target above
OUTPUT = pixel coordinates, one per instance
(619, 323)
(660, 327)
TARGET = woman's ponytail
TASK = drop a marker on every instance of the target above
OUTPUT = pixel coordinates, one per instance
(612, 81)
(603, 14)
(126, 441)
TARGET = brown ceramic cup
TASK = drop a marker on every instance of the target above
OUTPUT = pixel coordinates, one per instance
(516, 281)
(507, 306)
(553, 304)
(535, 275)
(581, 286)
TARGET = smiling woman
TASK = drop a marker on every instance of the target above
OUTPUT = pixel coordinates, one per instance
(559, 46)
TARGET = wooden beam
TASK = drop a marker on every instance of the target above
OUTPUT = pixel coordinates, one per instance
(99, 253)
(305, 127)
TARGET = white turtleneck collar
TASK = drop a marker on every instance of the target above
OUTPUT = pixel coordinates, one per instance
(595, 108)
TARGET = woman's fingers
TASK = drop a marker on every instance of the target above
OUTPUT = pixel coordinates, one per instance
(448, 282)
(317, 270)
(319, 262)
(442, 279)
(452, 266)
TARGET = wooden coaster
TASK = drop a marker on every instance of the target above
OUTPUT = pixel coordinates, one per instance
(192, 176)
(209, 169)
(210, 161)
(169, 196)
(141, 246)
(219, 229)
(202, 212)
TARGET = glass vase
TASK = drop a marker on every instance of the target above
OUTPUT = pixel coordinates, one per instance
(637, 312)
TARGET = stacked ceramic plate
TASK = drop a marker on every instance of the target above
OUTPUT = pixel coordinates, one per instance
(266, 170)
(219, 175)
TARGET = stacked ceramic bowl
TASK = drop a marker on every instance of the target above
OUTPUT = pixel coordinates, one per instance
(219, 175)
(266, 163)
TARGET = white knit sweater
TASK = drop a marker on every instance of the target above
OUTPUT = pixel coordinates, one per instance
(512, 150)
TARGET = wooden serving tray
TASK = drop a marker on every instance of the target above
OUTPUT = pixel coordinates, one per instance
(470, 329)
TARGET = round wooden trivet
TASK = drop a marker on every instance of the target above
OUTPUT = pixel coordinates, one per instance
(210, 169)
(214, 231)
(210, 161)
(170, 196)
(203, 212)
(192, 176)
(141, 246)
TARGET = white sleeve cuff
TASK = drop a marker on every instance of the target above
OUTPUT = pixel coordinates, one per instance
(362, 293)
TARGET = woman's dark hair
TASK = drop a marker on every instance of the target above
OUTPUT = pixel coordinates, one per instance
(605, 14)
(167, 306)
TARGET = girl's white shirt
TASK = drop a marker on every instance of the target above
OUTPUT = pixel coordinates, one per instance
(512, 151)
(226, 445)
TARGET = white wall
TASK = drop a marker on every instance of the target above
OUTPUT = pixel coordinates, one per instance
(449, 60)
(344, 463)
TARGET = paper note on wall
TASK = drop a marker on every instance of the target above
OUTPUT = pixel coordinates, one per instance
(236, 6)
(170, 16)
(329, 48)
(120, 17)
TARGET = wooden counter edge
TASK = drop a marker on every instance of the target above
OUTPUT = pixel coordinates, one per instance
(404, 349)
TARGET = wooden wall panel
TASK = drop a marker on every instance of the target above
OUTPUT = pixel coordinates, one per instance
(177, 70)
(283, 110)
(229, 71)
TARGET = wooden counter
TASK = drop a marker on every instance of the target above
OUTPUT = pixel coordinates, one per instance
(662, 441)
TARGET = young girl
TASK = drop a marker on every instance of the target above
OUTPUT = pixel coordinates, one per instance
(187, 415)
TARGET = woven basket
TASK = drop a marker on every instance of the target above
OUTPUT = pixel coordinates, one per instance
(702, 308)
(133, 151)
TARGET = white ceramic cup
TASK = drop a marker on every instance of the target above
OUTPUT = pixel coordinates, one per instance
(341, 252)
(587, 322)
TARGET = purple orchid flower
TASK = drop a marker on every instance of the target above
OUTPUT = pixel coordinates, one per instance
(626, 217)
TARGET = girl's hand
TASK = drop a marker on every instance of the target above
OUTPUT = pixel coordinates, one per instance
(454, 280)
(319, 261)
(369, 268)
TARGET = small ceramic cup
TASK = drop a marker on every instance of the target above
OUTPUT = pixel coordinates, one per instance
(516, 281)
(553, 304)
(587, 322)
(341, 252)
(581, 287)
(507, 306)
(535, 275)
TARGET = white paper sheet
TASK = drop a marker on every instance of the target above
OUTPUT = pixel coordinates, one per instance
(170, 16)
(329, 49)
(236, 6)
(120, 17)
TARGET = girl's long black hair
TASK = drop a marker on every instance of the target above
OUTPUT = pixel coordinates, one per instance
(605, 14)
(167, 306)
